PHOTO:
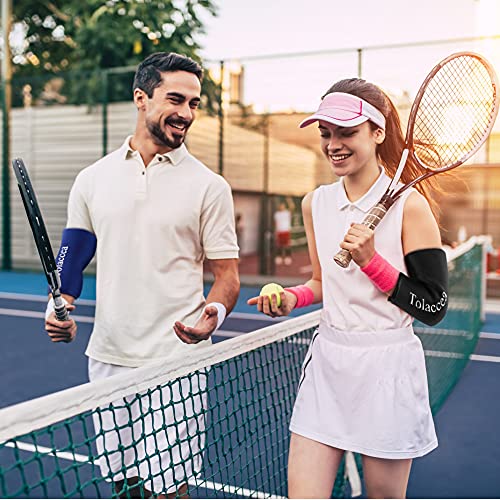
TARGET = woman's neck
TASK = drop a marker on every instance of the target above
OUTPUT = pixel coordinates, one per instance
(357, 185)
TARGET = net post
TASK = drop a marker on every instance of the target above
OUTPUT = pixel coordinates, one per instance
(484, 241)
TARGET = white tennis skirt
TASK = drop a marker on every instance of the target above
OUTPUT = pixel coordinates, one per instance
(366, 392)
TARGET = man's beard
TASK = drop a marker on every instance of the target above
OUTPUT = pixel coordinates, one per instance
(161, 139)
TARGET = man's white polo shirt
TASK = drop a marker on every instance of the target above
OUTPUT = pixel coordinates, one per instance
(154, 227)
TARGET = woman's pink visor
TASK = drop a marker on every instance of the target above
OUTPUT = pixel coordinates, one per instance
(345, 110)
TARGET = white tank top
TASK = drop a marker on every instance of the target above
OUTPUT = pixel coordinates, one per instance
(351, 302)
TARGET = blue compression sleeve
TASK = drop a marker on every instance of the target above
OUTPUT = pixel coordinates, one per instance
(78, 246)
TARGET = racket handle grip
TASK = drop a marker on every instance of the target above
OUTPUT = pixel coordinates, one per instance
(60, 309)
(372, 220)
(342, 258)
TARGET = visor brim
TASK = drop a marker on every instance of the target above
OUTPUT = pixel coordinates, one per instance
(347, 122)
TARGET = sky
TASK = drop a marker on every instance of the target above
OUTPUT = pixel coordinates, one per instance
(258, 27)
(263, 27)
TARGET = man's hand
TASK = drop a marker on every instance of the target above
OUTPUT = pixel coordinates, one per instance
(202, 330)
(61, 331)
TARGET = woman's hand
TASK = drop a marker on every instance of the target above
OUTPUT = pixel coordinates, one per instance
(269, 306)
(359, 242)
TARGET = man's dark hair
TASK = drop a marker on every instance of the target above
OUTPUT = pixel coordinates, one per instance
(148, 74)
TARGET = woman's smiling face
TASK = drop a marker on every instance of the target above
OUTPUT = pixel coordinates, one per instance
(350, 149)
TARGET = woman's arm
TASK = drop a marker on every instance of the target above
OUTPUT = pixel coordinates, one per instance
(289, 300)
(314, 283)
(423, 293)
(420, 229)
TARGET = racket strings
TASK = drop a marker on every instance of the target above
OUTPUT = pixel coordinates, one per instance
(456, 125)
(455, 113)
(445, 141)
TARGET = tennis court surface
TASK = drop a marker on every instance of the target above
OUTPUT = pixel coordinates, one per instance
(49, 448)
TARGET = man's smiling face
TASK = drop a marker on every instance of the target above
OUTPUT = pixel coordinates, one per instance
(171, 110)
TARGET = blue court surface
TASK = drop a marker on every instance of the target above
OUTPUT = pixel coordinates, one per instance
(465, 465)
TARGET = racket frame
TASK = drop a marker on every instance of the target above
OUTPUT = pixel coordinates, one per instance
(40, 236)
(377, 213)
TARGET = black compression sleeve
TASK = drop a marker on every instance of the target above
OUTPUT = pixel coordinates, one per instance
(424, 292)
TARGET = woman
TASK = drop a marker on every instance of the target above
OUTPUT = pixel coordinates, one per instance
(364, 386)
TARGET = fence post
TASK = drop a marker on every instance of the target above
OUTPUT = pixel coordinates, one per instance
(266, 264)
(104, 99)
(6, 105)
(6, 223)
(360, 63)
(221, 119)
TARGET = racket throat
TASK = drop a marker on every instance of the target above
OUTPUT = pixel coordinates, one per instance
(399, 171)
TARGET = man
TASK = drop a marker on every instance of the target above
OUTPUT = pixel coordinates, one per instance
(154, 212)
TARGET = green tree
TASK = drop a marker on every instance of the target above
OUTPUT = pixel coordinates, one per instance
(77, 39)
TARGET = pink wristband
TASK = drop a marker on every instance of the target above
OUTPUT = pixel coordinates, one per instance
(382, 274)
(304, 294)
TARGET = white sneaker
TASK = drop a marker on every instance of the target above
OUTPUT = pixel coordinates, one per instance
(288, 261)
(278, 260)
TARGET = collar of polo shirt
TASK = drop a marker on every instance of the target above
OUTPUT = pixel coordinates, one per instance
(369, 199)
(175, 156)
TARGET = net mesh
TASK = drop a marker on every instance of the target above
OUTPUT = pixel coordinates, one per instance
(219, 427)
(456, 113)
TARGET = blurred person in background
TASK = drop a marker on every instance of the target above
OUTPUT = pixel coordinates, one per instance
(282, 231)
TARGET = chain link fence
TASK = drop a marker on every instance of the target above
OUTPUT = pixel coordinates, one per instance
(59, 125)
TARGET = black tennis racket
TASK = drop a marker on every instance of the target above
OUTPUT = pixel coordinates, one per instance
(41, 237)
(451, 117)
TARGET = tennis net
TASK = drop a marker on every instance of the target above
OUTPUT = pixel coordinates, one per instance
(240, 394)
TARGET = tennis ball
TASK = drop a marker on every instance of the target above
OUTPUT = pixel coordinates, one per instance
(270, 289)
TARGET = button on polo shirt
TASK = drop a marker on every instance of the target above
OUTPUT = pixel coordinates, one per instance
(154, 226)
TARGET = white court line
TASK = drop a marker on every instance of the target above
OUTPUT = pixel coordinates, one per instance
(228, 333)
(489, 335)
(233, 490)
(255, 316)
(353, 474)
(49, 451)
(488, 359)
(490, 306)
(209, 485)
(21, 313)
(90, 302)
(457, 355)
(39, 298)
(89, 319)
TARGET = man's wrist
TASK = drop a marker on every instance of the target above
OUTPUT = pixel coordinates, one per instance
(221, 313)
